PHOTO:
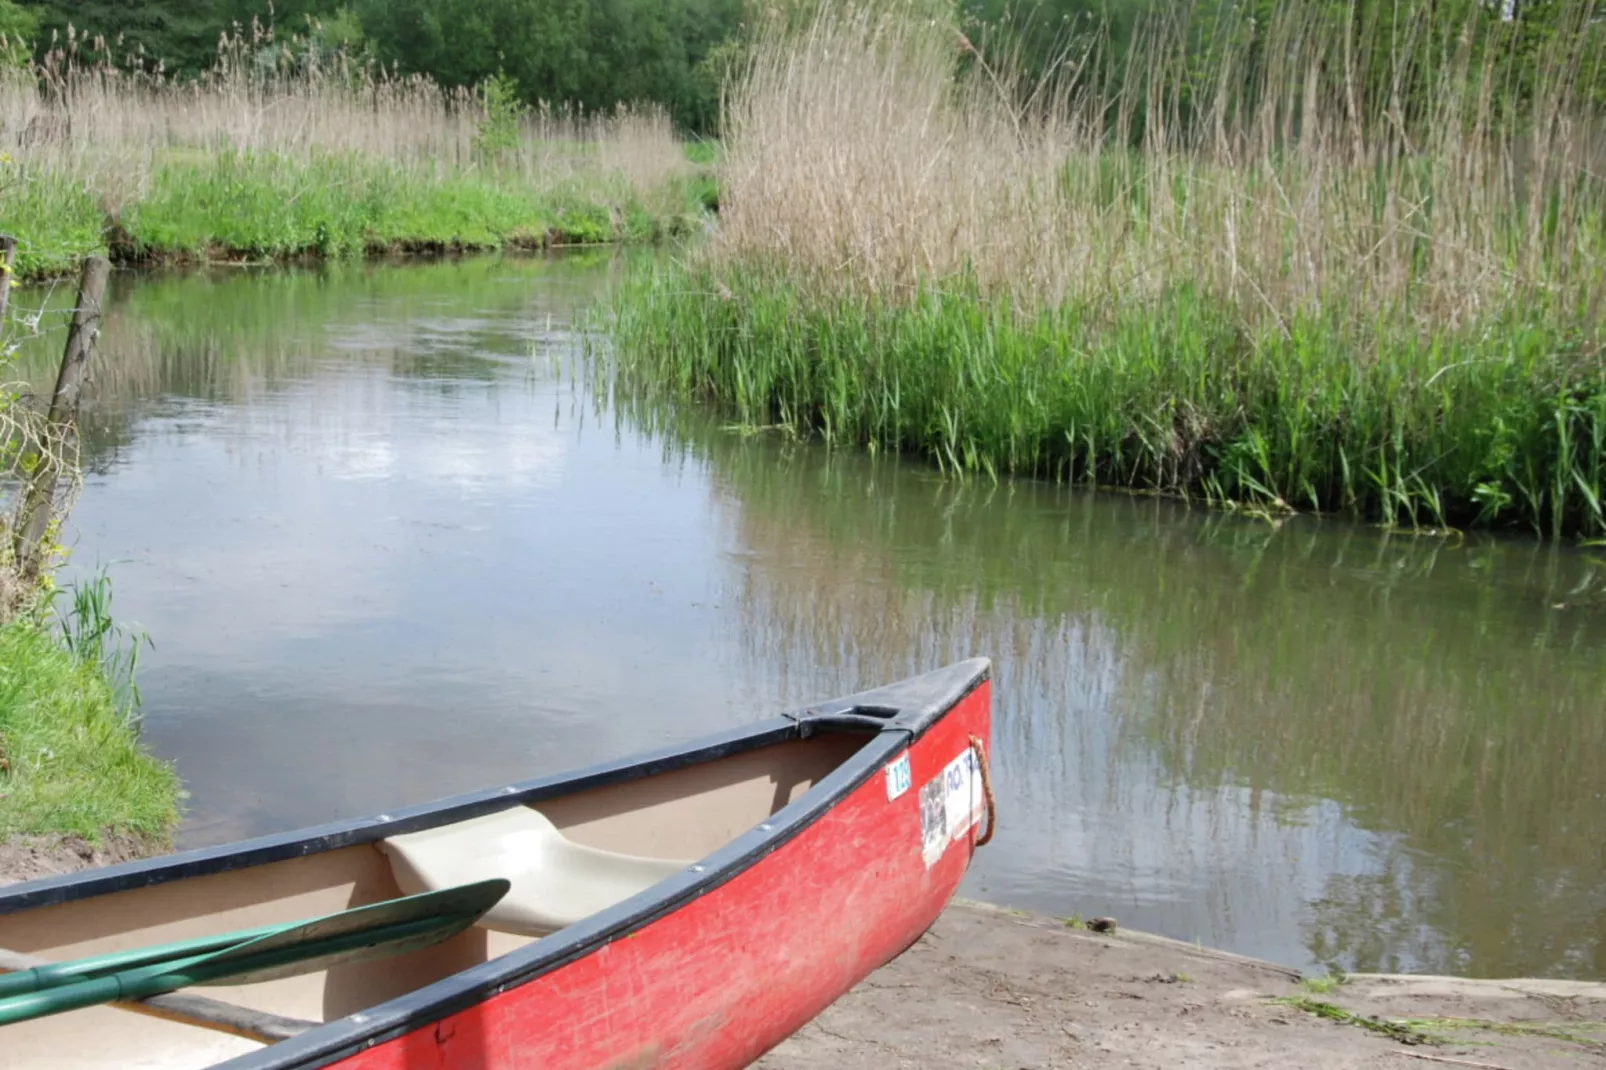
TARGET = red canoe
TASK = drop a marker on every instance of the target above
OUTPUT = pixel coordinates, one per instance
(690, 907)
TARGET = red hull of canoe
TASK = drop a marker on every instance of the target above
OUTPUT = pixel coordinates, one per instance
(724, 978)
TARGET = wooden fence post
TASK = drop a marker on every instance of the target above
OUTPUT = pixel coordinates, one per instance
(39, 497)
(8, 250)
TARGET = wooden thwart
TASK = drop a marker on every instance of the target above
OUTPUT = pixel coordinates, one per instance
(200, 1011)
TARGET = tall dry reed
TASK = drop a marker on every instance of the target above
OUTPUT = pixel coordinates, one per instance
(264, 96)
(855, 154)
(1352, 260)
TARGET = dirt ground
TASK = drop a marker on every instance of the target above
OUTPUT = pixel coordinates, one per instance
(993, 989)
(27, 858)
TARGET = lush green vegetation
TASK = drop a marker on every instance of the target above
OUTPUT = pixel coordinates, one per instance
(256, 207)
(339, 205)
(1453, 429)
(290, 159)
(1243, 271)
(593, 53)
(70, 759)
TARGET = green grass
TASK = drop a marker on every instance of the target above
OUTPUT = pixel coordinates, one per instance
(263, 206)
(73, 762)
(56, 223)
(703, 151)
(1497, 423)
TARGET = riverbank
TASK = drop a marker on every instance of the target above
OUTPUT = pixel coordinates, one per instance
(255, 208)
(75, 782)
(987, 987)
(253, 164)
(1365, 318)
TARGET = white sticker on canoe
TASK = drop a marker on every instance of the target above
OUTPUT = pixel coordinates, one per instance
(950, 803)
(899, 779)
(963, 802)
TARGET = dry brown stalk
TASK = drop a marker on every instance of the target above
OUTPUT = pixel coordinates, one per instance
(857, 158)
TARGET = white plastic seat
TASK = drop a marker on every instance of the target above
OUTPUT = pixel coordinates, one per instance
(556, 882)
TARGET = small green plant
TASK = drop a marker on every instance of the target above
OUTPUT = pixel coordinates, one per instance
(1073, 921)
(505, 109)
(94, 638)
(1336, 978)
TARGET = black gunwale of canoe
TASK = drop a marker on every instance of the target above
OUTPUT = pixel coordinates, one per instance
(897, 714)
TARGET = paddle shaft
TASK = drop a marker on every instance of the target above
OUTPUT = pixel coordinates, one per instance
(48, 975)
(181, 1007)
(202, 969)
(477, 898)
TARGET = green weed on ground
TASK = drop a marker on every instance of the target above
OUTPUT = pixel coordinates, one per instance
(1398, 1031)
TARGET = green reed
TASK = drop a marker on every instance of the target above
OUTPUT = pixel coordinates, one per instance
(91, 634)
(1500, 423)
(1306, 262)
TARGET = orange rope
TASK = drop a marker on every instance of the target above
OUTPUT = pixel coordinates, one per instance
(987, 789)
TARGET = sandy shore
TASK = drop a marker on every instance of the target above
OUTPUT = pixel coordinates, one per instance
(996, 989)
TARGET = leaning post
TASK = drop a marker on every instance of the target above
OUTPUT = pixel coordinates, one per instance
(38, 498)
(8, 257)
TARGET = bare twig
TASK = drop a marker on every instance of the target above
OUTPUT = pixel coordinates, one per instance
(1425, 1057)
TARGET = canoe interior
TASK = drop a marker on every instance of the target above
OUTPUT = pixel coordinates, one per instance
(686, 813)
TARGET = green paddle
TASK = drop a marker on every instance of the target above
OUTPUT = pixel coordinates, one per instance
(58, 973)
(381, 929)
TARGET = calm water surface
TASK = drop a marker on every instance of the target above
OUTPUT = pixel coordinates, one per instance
(389, 547)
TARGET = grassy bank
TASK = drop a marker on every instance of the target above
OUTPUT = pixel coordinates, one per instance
(70, 760)
(1286, 290)
(304, 161)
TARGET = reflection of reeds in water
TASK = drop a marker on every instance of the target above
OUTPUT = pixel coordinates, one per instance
(1430, 689)
(1443, 700)
(228, 337)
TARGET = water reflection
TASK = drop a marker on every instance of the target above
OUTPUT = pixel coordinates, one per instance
(1214, 728)
(390, 546)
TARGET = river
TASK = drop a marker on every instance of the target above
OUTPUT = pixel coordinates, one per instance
(390, 545)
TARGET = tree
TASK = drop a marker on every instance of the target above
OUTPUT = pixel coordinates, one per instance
(592, 53)
(181, 34)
